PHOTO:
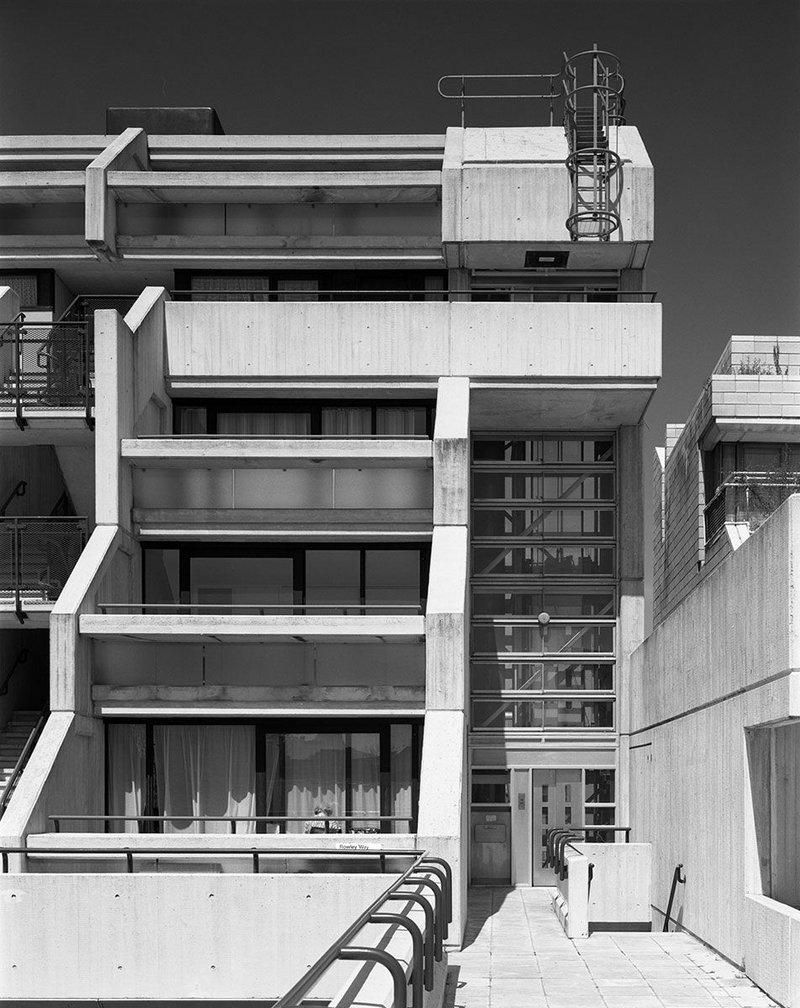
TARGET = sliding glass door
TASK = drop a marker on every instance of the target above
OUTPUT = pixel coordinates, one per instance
(356, 776)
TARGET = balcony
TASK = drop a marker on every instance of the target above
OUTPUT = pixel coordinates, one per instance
(37, 555)
(748, 499)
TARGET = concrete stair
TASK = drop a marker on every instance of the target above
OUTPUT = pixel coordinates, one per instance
(12, 742)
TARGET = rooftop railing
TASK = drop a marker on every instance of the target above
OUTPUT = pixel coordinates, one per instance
(37, 555)
(748, 498)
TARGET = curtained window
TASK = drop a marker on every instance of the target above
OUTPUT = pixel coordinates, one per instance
(205, 770)
(127, 774)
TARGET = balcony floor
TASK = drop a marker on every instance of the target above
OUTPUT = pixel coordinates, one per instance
(516, 955)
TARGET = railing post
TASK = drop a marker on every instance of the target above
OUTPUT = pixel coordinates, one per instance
(86, 351)
(20, 420)
(385, 959)
(417, 967)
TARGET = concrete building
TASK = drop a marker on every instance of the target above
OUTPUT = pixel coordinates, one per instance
(712, 705)
(323, 532)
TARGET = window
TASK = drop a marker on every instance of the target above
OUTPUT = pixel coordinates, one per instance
(293, 418)
(349, 579)
(490, 787)
(322, 776)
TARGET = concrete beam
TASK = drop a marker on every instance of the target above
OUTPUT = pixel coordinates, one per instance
(101, 202)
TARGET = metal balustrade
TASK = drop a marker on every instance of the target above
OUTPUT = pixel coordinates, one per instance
(260, 609)
(333, 825)
(516, 292)
(558, 838)
(37, 555)
(748, 498)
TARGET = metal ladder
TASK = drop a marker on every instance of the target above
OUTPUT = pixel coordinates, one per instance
(593, 107)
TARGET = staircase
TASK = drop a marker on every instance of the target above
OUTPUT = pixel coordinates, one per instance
(13, 740)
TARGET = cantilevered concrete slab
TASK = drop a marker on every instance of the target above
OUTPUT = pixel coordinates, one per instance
(232, 629)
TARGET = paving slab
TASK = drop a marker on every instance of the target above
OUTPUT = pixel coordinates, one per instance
(516, 955)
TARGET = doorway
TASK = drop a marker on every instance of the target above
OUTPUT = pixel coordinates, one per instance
(557, 801)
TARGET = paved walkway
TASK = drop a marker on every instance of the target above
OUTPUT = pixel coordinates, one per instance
(517, 956)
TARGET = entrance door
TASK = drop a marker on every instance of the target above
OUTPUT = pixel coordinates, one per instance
(491, 847)
(556, 802)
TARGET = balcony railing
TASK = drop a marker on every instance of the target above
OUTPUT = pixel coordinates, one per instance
(37, 555)
(748, 498)
(46, 366)
(260, 609)
(579, 295)
(333, 825)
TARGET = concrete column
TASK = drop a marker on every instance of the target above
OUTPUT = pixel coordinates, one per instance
(630, 621)
(114, 412)
(101, 202)
(451, 453)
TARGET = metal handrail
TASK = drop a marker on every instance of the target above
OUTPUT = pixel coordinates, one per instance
(19, 328)
(253, 852)
(211, 608)
(558, 837)
(17, 526)
(233, 820)
(19, 766)
(677, 879)
(18, 491)
(469, 295)
(340, 948)
(550, 95)
(22, 657)
(64, 316)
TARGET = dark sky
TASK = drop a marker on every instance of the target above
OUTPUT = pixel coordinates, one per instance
(713, 86)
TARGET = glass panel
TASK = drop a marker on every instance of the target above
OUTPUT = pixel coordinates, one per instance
(333, 577)
(600, 787)
(540, 561)
(543, 522)
(365, 781)
(264, 424)
(490, 787)
(499, 676)
(527, 602)
(127, 774)
(347, 420)
(396, 421)
(241, 580)
(578, 449)
(537, 487)
(392, 576)
(578, 714)
(400, 774)
(161, 576)
(507, 450)
(315, 782)
(503, 714)
(205, 770)
(538, 676)
(191, 420)
(551, 639)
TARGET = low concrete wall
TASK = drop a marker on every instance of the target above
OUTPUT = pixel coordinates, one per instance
(230, 937)
(607, 888)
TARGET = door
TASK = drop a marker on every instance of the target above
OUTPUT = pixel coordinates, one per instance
(556, 802)
(491, 847)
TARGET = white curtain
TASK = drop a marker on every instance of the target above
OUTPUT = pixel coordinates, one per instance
(126, 774)
(205, 770)
(366, 780)
(242, 284)
(263, 424)
(315, 778)
(347, 421)
(399, 420)
(400, 776)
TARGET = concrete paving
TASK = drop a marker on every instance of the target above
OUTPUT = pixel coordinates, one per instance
(516, 955)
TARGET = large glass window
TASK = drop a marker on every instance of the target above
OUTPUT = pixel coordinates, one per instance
(279, 777)
(357, 579)
(544, 572)
(302, 418)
